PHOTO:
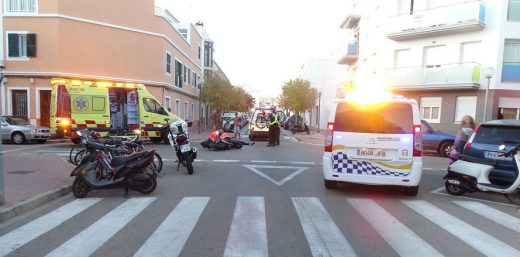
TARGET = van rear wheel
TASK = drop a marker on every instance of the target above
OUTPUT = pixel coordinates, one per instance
(411, 191)
(330, 184)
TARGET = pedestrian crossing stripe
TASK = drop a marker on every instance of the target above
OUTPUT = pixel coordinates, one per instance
(248, 233)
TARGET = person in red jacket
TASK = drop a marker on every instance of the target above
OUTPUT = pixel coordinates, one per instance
(222, 141)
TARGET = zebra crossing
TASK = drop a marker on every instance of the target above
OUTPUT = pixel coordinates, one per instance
(248, 232)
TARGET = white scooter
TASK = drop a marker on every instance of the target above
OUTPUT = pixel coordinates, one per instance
(466, 176)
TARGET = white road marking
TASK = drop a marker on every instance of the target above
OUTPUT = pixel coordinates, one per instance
(172, 234)
(304, 163)
(472, 236)
(90, 239)
(495, 215)
(226, 160)
(28, 232)
(398, 236)
(323, 236)
(255, 169)
(439, 190)
(31, 147)
(258, 161)
(248, 233)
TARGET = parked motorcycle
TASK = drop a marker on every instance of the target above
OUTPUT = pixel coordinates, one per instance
(464, 176)
(102, 171)
(179, 139)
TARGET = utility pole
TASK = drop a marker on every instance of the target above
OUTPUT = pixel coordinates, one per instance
(2, 183)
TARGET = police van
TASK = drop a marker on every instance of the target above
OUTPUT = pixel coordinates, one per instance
(374, 143)
(106, 107)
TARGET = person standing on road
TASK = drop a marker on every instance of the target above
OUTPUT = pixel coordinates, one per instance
(216, 120)
(273, 125)
(236, 126)
(277, 131)
(466, 129)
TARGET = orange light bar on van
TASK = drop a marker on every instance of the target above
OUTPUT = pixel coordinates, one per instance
(119, 84)
(59, 81)
(76, 82)
(88, 83)
(130, 85)
(103, 84)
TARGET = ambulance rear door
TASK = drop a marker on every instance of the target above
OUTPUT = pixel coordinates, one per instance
(90, 108)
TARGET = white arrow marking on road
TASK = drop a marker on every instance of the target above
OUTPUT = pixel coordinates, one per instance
(323, 236)
(172, 234)
(472, 236)
(255, 168)
(389, 227)
(495, 215)
(89, 240)
(26, 233)
(248, 233)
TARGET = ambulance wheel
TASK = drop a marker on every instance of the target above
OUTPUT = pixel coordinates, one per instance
(155, 140)
(330, 184)
(411, 191)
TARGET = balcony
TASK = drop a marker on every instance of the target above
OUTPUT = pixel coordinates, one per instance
(351, 54)
(351, 21)
(456, 18)
(435, 77)
(511, 72)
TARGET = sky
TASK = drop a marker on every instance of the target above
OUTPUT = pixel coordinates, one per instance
(264, 43)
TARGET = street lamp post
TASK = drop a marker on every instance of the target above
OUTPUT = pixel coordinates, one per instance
(489, 72)
(2, 194)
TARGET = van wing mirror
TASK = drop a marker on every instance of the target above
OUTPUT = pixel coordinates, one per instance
(166, 119)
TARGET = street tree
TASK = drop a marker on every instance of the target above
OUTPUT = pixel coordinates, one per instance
(298, 95)
(220, 95)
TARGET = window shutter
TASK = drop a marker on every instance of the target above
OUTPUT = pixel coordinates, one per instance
(31, 45)
(13, 45)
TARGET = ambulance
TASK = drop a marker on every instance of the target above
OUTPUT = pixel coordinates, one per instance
(114, 108)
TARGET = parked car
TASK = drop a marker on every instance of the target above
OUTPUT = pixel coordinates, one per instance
(18, 131)
(482, 147)
(435, 140)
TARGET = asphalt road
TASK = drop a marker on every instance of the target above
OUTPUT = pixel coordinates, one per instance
(262, 201)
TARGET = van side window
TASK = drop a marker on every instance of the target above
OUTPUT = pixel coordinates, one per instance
(150, 105)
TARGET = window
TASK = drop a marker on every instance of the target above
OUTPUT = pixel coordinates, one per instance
(194, 79)
(177, 107)
(19, 103)
(403, 58)
(178, 73)
(208, 54)
(98, 104)
(198, 79)
(186, 110)
(509, 108)
(184, 33)
(167, 103)
(193, 111)
(470, 52)
(21, 45)
(465, 105)
(188, 75)
(513, 10)
(20, 6)
(168, 63)
(433, 56)
(185, 72)
(199, 53)
(511, 65)
(150, 105)
(431, 109)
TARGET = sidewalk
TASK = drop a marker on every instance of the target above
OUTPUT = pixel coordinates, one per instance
(314, 138)
(32, 180)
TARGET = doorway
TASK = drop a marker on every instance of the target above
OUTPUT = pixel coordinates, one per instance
(19, 103)
(45, 108)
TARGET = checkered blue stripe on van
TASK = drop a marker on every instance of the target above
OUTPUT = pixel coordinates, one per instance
(341, 164)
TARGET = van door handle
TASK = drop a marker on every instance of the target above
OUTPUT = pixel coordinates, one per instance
(106, 116)
(146, 116)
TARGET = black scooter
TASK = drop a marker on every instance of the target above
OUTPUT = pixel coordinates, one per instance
(101, 171)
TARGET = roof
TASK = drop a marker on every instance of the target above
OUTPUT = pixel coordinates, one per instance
(503, 122)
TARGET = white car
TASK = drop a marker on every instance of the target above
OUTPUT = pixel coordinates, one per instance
(375, 144)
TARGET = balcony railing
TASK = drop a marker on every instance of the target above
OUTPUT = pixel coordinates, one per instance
(443, 76)
(351, 55)
(511, 72)
(456, 18)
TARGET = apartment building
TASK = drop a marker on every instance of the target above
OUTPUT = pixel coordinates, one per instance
(443, 53)
(116, 40)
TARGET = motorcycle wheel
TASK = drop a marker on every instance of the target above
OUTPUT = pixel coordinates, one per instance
(157, 162)
(151, 187)
(188, 162)
(79, 188)
(454, 189)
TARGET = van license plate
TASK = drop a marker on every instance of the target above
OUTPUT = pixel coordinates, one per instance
(185, 148)
(367, 152)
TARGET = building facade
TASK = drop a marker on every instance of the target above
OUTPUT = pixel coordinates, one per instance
(116, 40)
(441, 53)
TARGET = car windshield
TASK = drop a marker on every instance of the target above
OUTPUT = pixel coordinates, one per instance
(15, 120)
(393, 118)
(497, 135)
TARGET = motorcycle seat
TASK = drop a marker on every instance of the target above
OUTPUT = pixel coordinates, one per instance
(123, 159)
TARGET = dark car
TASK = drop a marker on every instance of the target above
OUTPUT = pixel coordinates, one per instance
(435, 140)
(482, 147)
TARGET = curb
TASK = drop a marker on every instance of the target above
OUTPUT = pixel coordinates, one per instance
(16, 209)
